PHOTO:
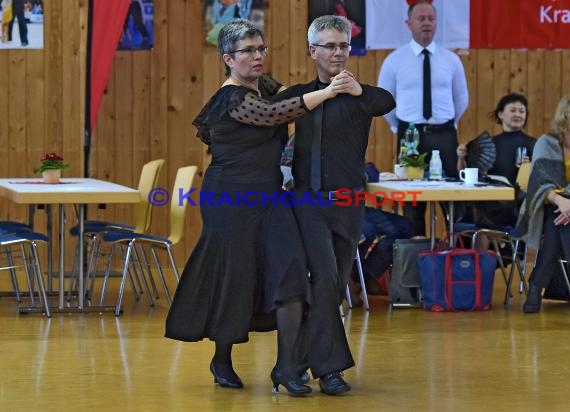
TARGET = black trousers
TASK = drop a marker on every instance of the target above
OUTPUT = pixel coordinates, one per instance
(444, 139)
(330, 236)
(18, 12)
(555, 244)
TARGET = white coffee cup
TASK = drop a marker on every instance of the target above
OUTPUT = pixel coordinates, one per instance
(470, 175)
(401, 171)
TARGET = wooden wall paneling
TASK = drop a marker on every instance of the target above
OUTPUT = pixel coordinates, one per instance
(519, 73)
(177, 109)
(5, 126)
(552, 86)
(158, 104)
(103, 154)
(140, 112)
(502, 64)
(36, 122)
(73, 109)
(565, 72)
(280, 62)
(53, 63)
(123, 144)
(35, 126)
(484, 99)
(193, 149)
(367, 74)
(467, 128)
(385, 148)
(17, 121)
(298, 12)
(535, 83)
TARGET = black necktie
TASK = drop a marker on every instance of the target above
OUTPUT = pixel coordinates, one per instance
(316, 148)
(427, 85)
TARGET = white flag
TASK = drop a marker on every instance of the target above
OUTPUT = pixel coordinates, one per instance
(386, 23)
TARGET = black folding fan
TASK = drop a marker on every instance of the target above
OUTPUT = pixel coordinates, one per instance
(481, 153)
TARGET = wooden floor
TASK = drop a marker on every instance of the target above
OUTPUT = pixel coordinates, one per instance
(500, 360)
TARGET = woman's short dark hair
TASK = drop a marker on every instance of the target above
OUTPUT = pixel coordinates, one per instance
(504, 101)
(234, 31)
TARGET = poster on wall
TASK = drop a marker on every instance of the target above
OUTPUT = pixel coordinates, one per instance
(138, 29)
(353, 10)
(219, 12)
(22, 24)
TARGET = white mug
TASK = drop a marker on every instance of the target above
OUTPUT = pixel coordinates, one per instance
(401, 171)
(470, 175)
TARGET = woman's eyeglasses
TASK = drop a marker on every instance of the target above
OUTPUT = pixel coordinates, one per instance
(331, 47)
(250, 51)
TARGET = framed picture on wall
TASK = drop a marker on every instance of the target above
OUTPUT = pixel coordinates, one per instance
(353, 10)
(219, 12)
(22, 24)
(138, 29)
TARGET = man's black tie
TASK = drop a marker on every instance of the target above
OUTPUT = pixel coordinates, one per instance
(427, 85)
(316, 148)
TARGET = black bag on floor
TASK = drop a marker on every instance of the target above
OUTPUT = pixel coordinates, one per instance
(405, 283)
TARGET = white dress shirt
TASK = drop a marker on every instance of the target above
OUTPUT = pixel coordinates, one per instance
(402, 75)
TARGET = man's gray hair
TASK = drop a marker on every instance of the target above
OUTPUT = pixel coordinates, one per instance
(328, 22)
(234, 31)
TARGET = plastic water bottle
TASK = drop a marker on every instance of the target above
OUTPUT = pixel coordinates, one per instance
(412, 138)
(435, 166)
(403, 153)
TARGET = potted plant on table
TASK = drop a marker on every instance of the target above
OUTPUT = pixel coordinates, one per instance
(51, 166)
(414, 162)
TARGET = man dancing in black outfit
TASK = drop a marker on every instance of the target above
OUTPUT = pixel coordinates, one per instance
(329, 154)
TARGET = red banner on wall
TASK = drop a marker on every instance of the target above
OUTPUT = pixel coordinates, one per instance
(529, 24)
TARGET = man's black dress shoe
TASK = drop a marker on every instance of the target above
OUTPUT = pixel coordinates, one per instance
(305, 377)
(233, 382)
(533, 300)
(293, 385)
(333, 384)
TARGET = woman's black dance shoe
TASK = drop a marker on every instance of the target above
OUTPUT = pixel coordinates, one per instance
(293, 385)
(233, 382)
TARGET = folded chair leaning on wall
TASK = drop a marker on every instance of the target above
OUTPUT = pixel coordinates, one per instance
(182, 184)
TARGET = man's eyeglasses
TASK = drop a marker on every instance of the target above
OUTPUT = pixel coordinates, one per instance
(250, 51)
(331, 47)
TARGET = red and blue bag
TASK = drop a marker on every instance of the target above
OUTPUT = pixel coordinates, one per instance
(457, 279)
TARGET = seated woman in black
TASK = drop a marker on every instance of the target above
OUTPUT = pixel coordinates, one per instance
(512, 114)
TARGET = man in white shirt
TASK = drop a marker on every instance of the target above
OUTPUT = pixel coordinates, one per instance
(430, 88)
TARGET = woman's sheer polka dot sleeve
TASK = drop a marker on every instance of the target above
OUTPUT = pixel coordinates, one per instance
(258, 112)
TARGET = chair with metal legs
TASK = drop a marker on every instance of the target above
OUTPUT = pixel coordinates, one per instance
(27, 251)
(142, 216)
(132, 259)
(507, 237)
(361, 279)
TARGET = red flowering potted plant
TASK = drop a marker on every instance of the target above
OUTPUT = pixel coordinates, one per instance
(51, 166)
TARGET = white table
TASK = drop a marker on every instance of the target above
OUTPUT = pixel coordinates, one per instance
(76, 191)
(438, 191)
